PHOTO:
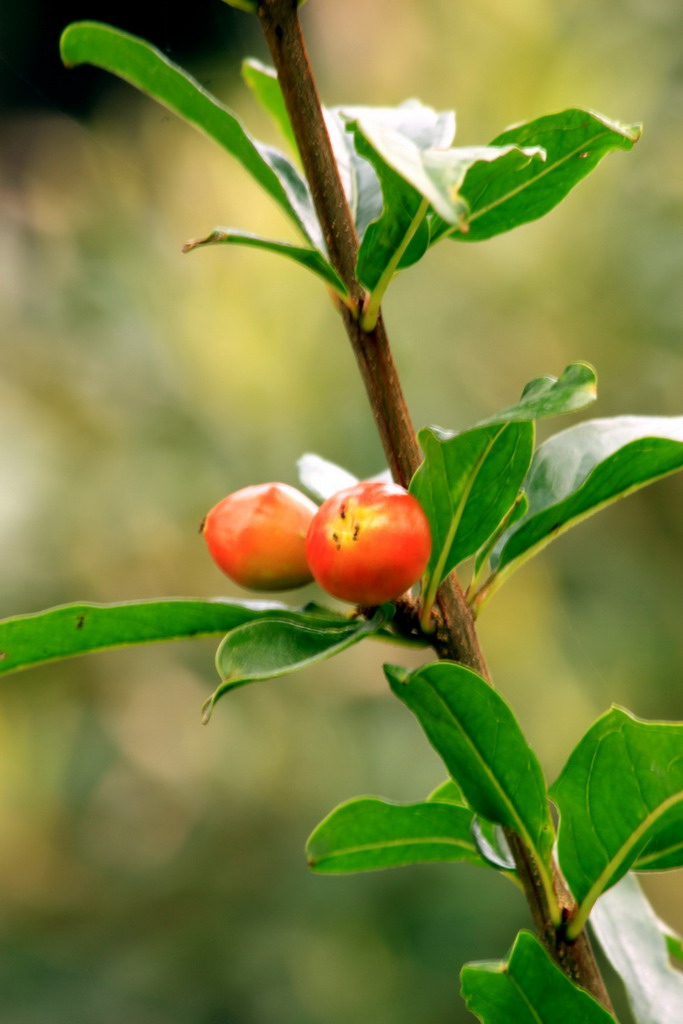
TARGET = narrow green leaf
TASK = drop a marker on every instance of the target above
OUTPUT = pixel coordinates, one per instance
(543, 397)
(279, 645)
(73, 629)
(263, 82)
(581, 470)
(145, 67)
(674, 943)
(601, 837)
(368, 833)
(508, 193)
(479, 740)
(310, 259)
(629, 932)
(466, 484)
(529, 989)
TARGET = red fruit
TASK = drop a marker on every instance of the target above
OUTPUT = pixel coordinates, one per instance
(257, 536)
(369, 543)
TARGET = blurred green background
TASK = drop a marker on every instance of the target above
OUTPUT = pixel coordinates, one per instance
(152, 869)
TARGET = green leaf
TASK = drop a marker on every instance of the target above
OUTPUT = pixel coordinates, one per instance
(629, 932)
(601, 837)
(543, 397)
(367, 833)
(145, 67)
(263, 82)
(529, 989)
(73, 629)
(477, 737)
(664, 851)
(674, 943)
(581, 470)
(466, 484)
(279, 645)
(310, 259)
(508, 193)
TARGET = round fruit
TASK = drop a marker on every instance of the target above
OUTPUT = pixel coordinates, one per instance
(369, 543)
(257, 536)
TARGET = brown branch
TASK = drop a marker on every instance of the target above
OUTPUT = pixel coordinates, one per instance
(455, 637)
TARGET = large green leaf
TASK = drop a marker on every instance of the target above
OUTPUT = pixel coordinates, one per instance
(368, 833)
(620, 788)
(310, 259)
(581, 470)
(528, 989)
(505, 194)
(278, 645)
(466, 484)
(146, 68)
(629, 932)
(479, 740)
(73, 629)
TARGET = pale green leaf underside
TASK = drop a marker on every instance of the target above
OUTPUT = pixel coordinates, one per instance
(581, 470)
(74, 629)
(630, 934)
(145, 67)
(479, 740)
(310, 259)
(367, 833)
(601, 837)
(529, 989)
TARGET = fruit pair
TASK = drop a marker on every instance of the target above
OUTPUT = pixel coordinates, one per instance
(366, 544)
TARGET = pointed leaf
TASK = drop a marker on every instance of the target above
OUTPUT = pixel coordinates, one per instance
(505, 194)
(476, 735)
(466, 485)
(627, 928)
(73, 629)
(310, 259)
(283, 644)
(601, 837)
(367, 833)
(552, 396)
(145, 67)
(263, 82)
(529, 989)
(581, 470)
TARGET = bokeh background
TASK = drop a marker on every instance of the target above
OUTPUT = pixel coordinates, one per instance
(152, 869)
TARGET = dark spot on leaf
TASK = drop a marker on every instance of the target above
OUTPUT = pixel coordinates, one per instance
(3, 655)
(80, 621)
